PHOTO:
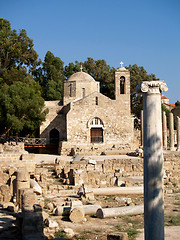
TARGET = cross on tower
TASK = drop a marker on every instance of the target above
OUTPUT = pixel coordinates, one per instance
(121, 63)
(81, 68)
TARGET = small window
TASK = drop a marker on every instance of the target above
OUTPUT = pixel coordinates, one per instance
(83, 92)
(96, 100)
(70, 90)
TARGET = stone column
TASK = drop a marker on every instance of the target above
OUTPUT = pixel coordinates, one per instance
(141, 127)
(164, 124)
(153, 159)
(178, 133)
(171, 131)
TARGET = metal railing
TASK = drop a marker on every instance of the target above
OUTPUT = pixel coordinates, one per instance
(25, 140)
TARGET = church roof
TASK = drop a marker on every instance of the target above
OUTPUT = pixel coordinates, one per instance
(163, 97)
(81, 76)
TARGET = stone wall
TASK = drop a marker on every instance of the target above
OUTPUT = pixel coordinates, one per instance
(118, 129)
(13, 156)
(53, 118)
(77, 89)
(127, 171)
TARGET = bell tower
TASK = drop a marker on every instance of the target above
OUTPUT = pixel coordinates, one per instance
(122, 82)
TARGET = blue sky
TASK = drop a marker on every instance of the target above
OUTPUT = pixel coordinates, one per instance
(142, 32)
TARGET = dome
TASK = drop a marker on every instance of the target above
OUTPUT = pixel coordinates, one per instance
(81, 76)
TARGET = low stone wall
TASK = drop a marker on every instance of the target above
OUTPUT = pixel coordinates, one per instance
(100, 173)
(13, 155)
(121, 172)
(172, 168)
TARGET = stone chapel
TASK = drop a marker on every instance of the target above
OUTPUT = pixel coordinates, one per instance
(88, 121)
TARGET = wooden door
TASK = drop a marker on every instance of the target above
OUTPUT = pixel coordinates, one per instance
(96, 135)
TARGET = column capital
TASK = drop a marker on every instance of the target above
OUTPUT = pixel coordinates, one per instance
(151, 87)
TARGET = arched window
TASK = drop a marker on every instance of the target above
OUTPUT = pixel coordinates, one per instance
(54, 136)
(122, 85)
(96, 122)
(96, 130)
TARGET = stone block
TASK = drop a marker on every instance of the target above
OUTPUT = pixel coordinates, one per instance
(90, 167)
(117, 236)
(5, 194)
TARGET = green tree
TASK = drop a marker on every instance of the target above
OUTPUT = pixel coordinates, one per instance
(51, 77)
(103, 73)
(72, 68)
(176, 112)
(21, 108)
(16, 54)
(138, 74)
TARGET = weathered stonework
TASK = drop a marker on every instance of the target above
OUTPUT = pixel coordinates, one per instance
(13, 156)
(88, 121)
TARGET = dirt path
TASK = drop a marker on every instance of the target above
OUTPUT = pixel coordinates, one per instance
(171, 233)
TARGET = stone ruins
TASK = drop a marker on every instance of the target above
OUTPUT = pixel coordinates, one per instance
(44, 194)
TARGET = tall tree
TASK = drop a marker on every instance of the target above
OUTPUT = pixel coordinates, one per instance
(51, 77)
(103, 73)
(138, 74)
(176, 112)
(21, 104)
(21, 108)
(16, 54)
(72, 68)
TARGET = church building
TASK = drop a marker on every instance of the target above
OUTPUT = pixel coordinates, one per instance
(87, 121)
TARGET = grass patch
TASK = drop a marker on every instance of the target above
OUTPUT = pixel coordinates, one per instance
(176, 190)
(109, 198)
(58, 181)
(131, 231)
(47, 200)
(60, 234)
(83, 235)
(130, 225)
(172, 220)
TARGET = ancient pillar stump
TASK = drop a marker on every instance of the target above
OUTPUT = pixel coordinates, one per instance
(153, 159)
(141, 127)
(164, 124)
(171, 131)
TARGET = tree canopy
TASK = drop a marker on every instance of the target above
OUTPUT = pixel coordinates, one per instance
(51, 77)
(16, 54)
(138, 74)
(176, 111)
(21, 103)
(21, 108)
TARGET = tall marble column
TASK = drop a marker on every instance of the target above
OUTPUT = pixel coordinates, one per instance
(141, 127)
(171, 131)
(164, 124)
(178, 133)
(153, 159)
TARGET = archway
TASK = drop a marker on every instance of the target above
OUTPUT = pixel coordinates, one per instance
(54, 136)
(122, 85)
